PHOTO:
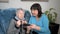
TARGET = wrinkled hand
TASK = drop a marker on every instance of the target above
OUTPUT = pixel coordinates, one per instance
(18, 23)
(24, 22)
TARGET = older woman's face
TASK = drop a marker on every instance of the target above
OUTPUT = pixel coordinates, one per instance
(34, 12)
(20, 14)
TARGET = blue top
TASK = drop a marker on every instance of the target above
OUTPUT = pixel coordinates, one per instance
(43, 23)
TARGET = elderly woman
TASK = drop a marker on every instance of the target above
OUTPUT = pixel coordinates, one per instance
(14, 27)
(39, 21)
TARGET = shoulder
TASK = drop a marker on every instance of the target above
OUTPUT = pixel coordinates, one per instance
(44, 16)
(32, 17)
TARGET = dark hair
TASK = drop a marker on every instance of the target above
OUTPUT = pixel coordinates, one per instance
(36, 6)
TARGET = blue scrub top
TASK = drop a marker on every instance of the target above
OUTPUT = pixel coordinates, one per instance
(43, 23)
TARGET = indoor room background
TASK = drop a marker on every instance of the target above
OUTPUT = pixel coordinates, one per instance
(27, 4)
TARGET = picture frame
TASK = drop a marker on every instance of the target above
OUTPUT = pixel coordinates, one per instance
(4, 1)
(36, 0)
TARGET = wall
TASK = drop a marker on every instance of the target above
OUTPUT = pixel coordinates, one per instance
(26, 5)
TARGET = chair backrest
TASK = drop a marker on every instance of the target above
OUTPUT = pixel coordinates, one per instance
(27, 15)
(6, 15)
(1, 24)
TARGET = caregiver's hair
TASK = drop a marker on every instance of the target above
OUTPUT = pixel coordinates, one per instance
(36, 6)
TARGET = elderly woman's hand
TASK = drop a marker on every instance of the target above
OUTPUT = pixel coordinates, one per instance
(24, 22)
(18, 23)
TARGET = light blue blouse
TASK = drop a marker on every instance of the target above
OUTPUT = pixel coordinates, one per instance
(43, 23)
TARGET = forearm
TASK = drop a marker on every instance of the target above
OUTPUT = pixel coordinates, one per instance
(37, 28)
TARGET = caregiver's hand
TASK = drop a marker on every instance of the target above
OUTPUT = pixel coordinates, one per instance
(33, 26)
(30, 27)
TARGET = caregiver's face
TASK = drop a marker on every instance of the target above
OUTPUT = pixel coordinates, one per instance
(34, 12)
